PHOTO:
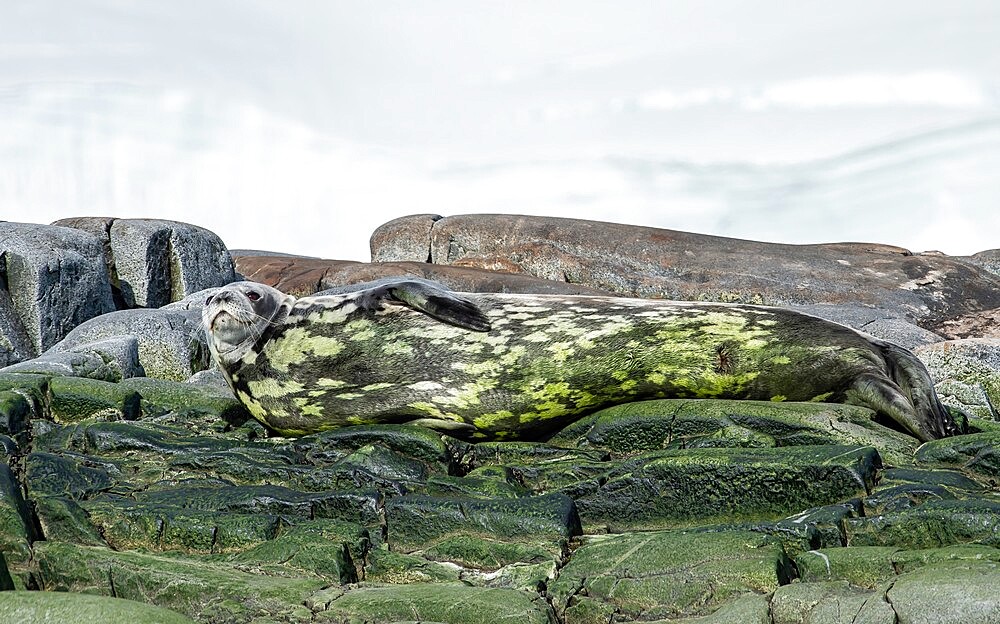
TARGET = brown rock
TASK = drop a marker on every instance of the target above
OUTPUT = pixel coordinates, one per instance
(305, 276)
(940, 293)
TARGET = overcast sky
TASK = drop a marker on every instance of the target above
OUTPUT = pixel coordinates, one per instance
(302, 126)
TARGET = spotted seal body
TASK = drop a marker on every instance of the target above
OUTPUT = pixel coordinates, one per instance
(504, 366)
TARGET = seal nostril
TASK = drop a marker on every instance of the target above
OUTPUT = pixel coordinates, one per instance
(209, 300)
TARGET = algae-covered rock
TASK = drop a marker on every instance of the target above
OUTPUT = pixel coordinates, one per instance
(76, 398)
(978, 453)
(417, 521)
(328, 549)
(15, 526)
(671, 488)
(932, 524)
(632, 428)
(450, 603)
(667, 573)
(37, 607)
(834, 602)
(960, 593)
(204, 590)
(15, 414)
(966, 373)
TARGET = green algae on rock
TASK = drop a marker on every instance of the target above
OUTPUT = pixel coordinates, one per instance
(708, 485)
(452, 603)
(30, 607)
(664, 574)
(633, 428)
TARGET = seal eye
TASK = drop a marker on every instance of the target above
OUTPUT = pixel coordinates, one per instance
(253, 296)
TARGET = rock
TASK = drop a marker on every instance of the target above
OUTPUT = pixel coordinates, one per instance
(205, 591)
(16, 532)
(966, 374)
(832, 603)
(112, 359)
(633, 428)
(406, 239)
(709, 485)
(978, 453)
(418, 521)
(962, 593)
(307, 276)
(666, 574)
(170, 343)
(932, 291)
(38, 607)
(929, 525)
(54, 279)
(153, 262)
(989, 260)
(454, 603)
(75, 399)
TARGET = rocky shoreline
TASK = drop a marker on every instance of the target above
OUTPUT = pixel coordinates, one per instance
(129, 473)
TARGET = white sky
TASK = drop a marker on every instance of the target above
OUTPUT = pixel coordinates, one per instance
(302, 126)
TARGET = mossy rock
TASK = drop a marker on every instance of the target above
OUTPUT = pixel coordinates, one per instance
(30, 607)
(74, 399)
(872, 566)
(930, 525)
(15, 415)
(387, 567)
(161, 396)
(449, 603)
(328, 549)
(665, 574)
(834, 602)
(633, 428)
(417, 522)
(205, 591)
(410, 441)
(958, 593)
(127, 525)
(16, 532)
(706, 486)
(977, 453)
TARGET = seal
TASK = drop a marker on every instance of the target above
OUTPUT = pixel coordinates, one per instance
(507, 366)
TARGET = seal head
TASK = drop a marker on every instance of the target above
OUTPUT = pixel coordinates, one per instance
(237, 317)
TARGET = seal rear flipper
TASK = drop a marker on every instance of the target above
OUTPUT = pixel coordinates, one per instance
(428, 297)
(886, 398)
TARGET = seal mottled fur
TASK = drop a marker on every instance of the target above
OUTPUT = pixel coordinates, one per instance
(518, 366)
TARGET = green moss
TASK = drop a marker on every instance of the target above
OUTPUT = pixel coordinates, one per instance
(76, 398)
(34, 606)
(446, 603)
(670, 573)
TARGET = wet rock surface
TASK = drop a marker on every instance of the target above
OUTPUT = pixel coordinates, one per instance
(133, 482)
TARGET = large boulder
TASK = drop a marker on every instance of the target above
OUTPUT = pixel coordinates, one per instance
(51, 279)
(305, 276)
(153, 262)
(946, 295)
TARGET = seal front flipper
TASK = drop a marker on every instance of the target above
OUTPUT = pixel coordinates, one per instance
(428, 297)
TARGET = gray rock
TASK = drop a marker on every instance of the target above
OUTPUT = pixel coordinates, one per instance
(55, 279)
(966, 374)
(153, 262)
(15, 345)
(170, 343)
(406, 239)
(112, 359)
